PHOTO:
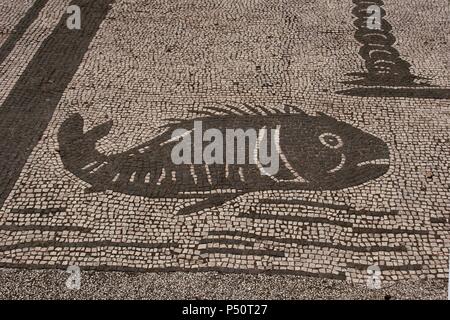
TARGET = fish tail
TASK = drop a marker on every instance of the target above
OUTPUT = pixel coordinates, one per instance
(77, 148)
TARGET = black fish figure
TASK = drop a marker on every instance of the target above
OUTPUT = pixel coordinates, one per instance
(315, 153)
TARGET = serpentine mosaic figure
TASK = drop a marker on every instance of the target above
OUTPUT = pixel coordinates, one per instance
(383, 62)
(388, 74)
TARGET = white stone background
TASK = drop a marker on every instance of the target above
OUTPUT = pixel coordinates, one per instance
(128, 76)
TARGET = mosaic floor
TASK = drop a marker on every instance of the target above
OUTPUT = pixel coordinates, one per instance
(363, 118)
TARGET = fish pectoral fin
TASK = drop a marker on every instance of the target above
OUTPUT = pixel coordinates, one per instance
(210, 202)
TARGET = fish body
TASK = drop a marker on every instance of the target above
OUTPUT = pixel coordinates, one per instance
(315, 153)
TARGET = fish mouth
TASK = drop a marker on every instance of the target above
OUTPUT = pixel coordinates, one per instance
(383, 161)
(340, 165)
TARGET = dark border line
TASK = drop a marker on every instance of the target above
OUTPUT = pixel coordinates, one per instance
(44, 228)
(108, 268)
(265, 216)
(245, 252)
(407, 267)
(29, 107)
(439, 220)
(346, 208)
(20, 29)
(301, 242)
(388, 231)
(419, 93)
(38, 211)
(227, 241)
(344, 224)
(85, 244)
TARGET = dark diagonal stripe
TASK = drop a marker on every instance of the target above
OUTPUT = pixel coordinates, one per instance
(28, 109)
(20, 28)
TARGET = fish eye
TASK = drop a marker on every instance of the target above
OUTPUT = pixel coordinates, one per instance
(331, 140)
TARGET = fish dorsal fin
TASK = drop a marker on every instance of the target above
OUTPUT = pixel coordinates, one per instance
(234, 110)
(247, 109)
(290, 109)
(244, 109)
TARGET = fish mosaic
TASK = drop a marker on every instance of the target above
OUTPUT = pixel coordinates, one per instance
(315, 152)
